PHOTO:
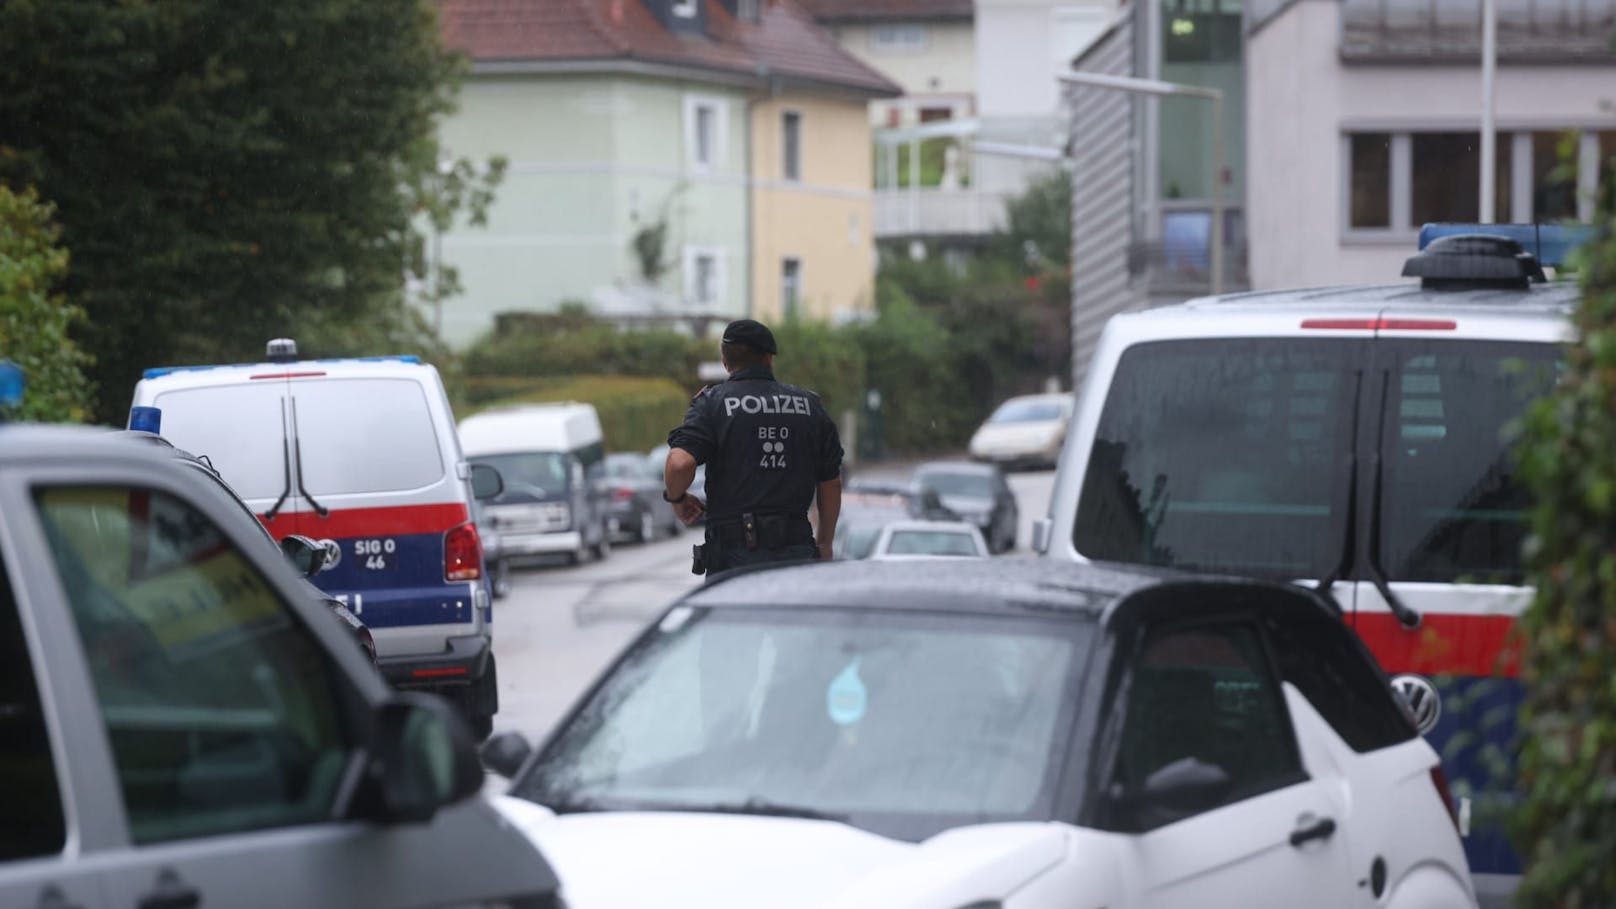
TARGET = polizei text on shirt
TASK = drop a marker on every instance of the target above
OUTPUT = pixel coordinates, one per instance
(766, 404)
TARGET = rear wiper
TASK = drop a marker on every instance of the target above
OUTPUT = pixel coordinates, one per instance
(297, 452)
(765, 808)
(1350, 533)
(1409, 617)
(286, 469)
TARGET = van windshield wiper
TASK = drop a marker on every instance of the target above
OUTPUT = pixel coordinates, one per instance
(765, 808)
(1406, 615)
(1349, 533)
(286, 469)
(297, 453)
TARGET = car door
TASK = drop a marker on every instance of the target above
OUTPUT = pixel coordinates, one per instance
(1206, 696)
(232, 731)
(37, 866)
(1448, 520)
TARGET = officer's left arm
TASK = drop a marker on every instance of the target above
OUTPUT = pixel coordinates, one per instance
(828, 473)
(829, 499)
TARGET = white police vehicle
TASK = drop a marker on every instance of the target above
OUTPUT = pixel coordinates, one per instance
(1357, 437)
(361, 454)
(180, 725)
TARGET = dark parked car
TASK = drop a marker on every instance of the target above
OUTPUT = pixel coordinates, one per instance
(978, 493)
(636, 508)
(881, 734)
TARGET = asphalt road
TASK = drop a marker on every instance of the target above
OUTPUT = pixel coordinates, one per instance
(560, 626)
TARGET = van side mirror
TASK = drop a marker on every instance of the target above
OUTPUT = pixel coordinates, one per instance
(307, 556)
(422, 758)
(505, 753)
(1186, 786)
(486, 483)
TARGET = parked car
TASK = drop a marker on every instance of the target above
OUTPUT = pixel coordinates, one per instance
(1359, 437)
(307, 557)
(551, 457)
(636, 507)
(980, 732)
(184, 726)
(1024, 431)
(865, 513)
(363, 453)
(978, 493)
(901, 540)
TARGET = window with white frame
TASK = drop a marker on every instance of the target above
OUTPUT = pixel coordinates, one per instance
(706, 131)
(898, 39)
(790, 286)
(704, 275)
(685, 9)
(1399, 180)
(791, 145)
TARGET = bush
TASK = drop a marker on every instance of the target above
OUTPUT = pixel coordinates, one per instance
(824, 360)
(909, 359)
(1566, 823)
(635, 413)
(34, 322)
(581, 346)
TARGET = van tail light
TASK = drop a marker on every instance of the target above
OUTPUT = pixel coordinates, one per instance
(1440, 780)
(462, 554)
(622, 494)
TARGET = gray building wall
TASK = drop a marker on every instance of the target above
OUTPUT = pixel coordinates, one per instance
(1104, 195)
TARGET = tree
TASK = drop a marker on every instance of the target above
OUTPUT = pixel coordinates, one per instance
(33, 320)
(224, 172)
(1566, 824)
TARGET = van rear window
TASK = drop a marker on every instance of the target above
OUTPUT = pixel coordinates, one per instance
(238, 428)
(1222, 455)
(365, 435)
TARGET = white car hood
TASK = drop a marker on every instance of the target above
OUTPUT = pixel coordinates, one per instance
(645, 860)
(1015, 436)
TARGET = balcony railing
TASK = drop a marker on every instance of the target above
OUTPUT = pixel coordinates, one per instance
(934, 212)
(1425, 30)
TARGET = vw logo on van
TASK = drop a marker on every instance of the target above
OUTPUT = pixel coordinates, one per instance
(333, 553)
(1424, 704)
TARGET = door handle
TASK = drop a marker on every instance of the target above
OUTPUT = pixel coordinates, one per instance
(51, 898)
(1321, 829)
(173, 893)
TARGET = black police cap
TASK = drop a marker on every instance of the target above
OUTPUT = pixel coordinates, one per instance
(752, 333)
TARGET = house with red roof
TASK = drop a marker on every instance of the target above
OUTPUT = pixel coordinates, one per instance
(669, 161)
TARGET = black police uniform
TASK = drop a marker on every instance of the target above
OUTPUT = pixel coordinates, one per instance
(767, 446)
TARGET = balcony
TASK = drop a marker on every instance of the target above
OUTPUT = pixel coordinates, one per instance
(1393, 31)
(931, 211)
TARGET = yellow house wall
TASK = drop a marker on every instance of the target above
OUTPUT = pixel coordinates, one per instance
(823, 220)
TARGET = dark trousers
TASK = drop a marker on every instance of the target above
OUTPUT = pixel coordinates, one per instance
(722, 558)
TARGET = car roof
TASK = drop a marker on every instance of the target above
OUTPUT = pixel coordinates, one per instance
(169, 378)
(970, 467)
(48, 442)
(965, 586)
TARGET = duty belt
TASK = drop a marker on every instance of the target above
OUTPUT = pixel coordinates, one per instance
(760, 531)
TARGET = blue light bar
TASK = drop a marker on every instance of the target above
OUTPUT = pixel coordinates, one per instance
(157, 372)
(12, 384)
(146, 419)
(1552, 244)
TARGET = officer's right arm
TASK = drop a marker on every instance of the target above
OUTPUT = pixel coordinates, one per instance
(688, 446)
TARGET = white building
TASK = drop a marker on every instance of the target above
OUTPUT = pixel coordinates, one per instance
(1363, 120)
(928, 47)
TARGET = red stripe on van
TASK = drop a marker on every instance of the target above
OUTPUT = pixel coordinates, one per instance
(363, 522)
(1442, 645)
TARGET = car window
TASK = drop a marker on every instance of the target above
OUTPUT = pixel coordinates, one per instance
(931, 542)
(1221, 455)
(904, 724)
(365, 435)
(31, 821)
(1207, 693)
(981, 485)
(1027, 412)
(530, 476)
(221, 708)
(1452, 508)
(1330, 667)
(239, 428)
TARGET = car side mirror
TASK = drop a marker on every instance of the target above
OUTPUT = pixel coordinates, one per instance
(1186, 786)
(307, 556)
(1041, 530)
(486, 483)
(505, 753)
(422, 758)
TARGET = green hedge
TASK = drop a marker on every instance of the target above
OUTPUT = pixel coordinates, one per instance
(583, 347)
(635, 412)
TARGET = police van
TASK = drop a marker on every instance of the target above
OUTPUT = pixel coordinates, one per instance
(360, 454)
(1357, 437)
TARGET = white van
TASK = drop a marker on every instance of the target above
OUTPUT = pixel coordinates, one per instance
(552, 460)
(361, 453)
(1360, 438)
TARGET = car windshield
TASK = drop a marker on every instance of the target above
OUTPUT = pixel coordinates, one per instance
(1027, 412)
(949, 483)
(905, 724)
(542, 473)
(931, 543)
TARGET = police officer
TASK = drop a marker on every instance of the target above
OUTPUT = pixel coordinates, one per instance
(770, 450)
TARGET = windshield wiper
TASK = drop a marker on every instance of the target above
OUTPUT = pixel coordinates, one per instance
(1406, 615)
(297, 453)
(1350, 531)
(765, 808)
(286, 469)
